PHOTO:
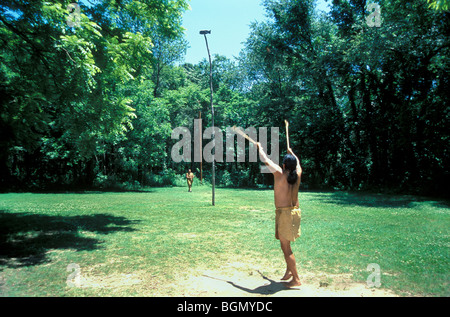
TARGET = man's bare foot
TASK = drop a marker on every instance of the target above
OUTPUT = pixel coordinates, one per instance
(286, 276)
(293, 283)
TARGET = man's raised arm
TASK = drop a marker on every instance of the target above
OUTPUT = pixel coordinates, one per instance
(299, 168)
(274, 168)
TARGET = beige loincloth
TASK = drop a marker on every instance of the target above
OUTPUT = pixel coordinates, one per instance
(287, 223)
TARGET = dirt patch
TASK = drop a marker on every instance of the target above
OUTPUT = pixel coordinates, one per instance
(110, 281)
(242, 282)
(235, 279)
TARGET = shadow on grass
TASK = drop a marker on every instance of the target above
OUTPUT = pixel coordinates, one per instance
(26, 238)
(378, 200)
(93, 191)
(268, 289)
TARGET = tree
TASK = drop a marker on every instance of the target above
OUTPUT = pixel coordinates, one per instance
(62, 83)
(363, 100)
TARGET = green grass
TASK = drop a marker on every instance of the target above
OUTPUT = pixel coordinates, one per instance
(142, 243)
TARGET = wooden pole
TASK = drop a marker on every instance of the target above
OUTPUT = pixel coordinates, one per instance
(287, 133)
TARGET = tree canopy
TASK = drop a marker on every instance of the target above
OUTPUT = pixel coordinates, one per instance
(90, 97)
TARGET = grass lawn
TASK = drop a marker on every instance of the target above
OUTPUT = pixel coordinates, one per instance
(145, 243)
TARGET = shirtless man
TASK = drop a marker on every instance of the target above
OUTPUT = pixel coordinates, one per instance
(288, 214)
(190, 179)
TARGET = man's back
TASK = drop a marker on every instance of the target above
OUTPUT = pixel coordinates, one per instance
(286, 195)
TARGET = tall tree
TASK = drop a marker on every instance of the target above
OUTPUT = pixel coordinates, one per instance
(61, 79)
(363, 99)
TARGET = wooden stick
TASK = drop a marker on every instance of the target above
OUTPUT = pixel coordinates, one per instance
(244, 135)
(287, 133)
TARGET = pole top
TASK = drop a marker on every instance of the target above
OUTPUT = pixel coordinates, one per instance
(202, 32)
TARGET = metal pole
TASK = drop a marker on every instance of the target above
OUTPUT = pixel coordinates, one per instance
(212, 120)
(201, 154)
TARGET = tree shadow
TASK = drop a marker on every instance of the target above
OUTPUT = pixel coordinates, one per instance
(370, 199)
(26, 238)
(92, 191)
(267, 289)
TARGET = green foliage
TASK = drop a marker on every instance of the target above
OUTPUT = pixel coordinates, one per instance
(65, 88)
(94, 104)
(439, 4)
(362, 101)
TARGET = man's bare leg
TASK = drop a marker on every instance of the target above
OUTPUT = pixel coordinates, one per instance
(290, 263)
(287, 275)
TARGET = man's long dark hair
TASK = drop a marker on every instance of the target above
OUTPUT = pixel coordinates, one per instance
(290, 164)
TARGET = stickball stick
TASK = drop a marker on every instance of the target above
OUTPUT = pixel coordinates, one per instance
(244, 135)
(287, 133)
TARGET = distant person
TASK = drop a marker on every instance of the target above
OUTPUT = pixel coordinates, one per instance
(288, 213)
(190, 179)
